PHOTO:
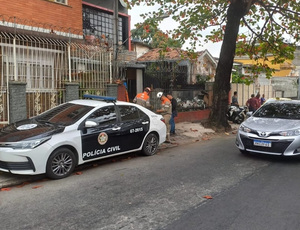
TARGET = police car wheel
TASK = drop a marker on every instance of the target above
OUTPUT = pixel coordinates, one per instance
(150, 145)
(60, 164)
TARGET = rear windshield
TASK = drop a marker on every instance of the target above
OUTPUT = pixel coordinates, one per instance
(279, 110)
(65, 114)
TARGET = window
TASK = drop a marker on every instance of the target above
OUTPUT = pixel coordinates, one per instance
(35, 66)
(65, 114)
(98, 22)
(106, 115)
(129, 113)
(61, 1)
(279, 110)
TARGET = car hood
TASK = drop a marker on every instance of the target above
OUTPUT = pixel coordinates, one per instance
(271, 124)
(29, 129)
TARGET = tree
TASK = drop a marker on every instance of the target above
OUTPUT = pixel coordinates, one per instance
(149, 33)
(265, 27)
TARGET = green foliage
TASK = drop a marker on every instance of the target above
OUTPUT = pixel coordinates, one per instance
(264, 29)
(149, 33)
(238, 77)
(202, 79)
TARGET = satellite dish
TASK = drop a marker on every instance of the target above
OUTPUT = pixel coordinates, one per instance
(123, 3)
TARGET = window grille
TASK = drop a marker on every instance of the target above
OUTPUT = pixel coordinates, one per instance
(98, 22)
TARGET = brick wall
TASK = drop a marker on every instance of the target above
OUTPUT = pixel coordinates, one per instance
(192, 116)
(44, 11)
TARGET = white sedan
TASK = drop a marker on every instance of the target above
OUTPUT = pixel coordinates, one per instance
(79, 131)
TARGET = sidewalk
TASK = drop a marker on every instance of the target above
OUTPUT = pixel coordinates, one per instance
(186, 133)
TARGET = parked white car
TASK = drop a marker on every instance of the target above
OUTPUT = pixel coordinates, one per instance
(76, 132)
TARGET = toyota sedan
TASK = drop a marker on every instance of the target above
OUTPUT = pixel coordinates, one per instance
(76, 132)
(273, 129)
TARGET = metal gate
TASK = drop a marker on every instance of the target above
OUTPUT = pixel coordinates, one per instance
(165, 75)
(45, 65)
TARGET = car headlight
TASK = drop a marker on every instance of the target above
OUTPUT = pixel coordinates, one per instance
(244, 129)
(294, 132)
(25, 144)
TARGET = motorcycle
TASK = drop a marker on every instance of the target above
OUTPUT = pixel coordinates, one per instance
(237, 114)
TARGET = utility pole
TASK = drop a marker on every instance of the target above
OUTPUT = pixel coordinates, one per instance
(116, 40)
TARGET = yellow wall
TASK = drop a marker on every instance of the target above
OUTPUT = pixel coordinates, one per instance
(282, 70)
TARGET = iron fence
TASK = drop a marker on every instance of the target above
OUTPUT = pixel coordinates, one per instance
(45, 65)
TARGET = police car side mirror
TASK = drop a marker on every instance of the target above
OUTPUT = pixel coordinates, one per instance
(89, 124)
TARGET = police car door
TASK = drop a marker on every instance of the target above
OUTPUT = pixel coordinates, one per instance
(100, 135)
(134, 126)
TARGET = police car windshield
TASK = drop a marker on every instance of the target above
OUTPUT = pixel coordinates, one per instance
(65, 114)
(279, 110)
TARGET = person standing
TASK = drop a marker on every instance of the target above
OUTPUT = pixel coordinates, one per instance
(122, 91)
(166, 111)
(143, 98)
(174, 113)
(234, 99)
(262, 99)
(258, 100)
(252, 103)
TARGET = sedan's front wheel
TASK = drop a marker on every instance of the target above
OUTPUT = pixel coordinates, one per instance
(150, 145)
(60, 164)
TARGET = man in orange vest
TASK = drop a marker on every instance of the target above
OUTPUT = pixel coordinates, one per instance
(143, 98)
(166, 111)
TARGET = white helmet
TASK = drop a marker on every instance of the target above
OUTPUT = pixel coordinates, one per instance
(159, 94)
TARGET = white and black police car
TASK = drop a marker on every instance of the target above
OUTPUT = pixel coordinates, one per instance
(76, 132)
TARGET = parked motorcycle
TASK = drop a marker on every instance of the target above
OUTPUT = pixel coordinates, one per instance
(237, 114)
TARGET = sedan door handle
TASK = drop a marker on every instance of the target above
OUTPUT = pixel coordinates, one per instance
(145, 122)
(116, 128)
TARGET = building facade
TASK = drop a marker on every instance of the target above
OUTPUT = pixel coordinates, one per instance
(50, 46)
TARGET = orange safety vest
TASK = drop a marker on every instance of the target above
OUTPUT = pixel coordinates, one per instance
(142, 99)
(166, 106)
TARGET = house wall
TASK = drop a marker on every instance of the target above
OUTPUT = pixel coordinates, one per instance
(281, 70)
(244, 92)
(285, 87)
(203, 67)
(140, 49)
(43, 12)
(192, 116)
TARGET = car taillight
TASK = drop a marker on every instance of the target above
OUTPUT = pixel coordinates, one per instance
(163, 120)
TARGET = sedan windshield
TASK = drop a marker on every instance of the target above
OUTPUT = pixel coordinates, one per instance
(279, 110)
(65, 114)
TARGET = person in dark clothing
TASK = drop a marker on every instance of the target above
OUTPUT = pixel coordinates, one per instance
(234, 100)
(252, 103)
(174, 113)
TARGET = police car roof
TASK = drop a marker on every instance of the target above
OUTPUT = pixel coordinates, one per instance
(88, 102)
(96, 103)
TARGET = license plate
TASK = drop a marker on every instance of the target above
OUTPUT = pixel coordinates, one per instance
(262, 143)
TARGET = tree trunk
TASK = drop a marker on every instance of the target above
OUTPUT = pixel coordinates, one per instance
(221, 86)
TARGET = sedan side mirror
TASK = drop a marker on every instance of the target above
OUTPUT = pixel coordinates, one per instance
(249, 114)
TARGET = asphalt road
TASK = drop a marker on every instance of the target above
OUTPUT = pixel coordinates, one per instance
(166, 191)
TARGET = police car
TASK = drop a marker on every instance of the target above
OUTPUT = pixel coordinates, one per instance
(76, 132)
